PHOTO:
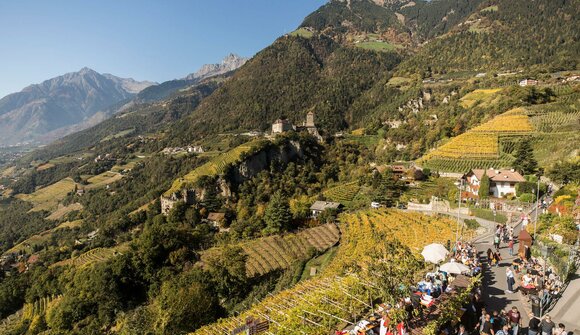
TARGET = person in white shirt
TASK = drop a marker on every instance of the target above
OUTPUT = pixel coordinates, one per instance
(510, 280)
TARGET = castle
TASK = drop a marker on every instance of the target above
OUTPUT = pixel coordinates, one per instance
(283, 125)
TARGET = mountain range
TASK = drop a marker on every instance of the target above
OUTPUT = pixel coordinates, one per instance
(69, 103)
(55, 104)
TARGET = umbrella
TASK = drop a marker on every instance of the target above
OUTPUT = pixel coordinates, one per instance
(434, 253)
(454, 267)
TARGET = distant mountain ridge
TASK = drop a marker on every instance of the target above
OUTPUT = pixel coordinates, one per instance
(161, 91)
(229, 63)
(60, 102)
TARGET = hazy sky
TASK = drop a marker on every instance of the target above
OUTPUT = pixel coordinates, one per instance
(142, 39)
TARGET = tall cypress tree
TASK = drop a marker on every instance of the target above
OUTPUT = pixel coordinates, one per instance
(525, 162)
(484, 187)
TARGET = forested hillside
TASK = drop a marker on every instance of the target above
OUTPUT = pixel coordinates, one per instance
(506, 35)
(287, 79)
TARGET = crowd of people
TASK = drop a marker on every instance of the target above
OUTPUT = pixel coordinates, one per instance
(526, 273)
(530, 274)
(424, 299)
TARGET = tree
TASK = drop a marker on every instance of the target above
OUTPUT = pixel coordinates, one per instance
(387, 188)
(565, 172)
(177, 213)
(525, 162)
(484, 187)
(228, 270)
(278, 215)
(211, 200)
(184, 304)
(328, 215)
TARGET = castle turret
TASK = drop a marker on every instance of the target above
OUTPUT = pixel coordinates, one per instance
(310, 119)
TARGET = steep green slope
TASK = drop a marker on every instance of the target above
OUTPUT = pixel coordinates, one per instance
(338, 17)
(506, 35)
(287, 79)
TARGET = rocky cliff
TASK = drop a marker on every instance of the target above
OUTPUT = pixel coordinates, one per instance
(247, 168)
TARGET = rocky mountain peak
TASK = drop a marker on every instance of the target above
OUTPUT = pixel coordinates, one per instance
(229, 63)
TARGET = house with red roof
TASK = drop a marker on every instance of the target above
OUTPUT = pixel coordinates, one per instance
(502, 182)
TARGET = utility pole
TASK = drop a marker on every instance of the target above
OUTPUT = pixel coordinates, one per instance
(460, 184)
(537, 204)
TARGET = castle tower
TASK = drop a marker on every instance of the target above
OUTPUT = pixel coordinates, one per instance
(310, 119)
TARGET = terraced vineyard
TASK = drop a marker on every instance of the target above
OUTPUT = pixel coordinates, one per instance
(341, 292)
(39, 307)
(515, 121)
(479, 96)
(343, 192)
(93, 256)
(480, 147)
(279, 252)
(463, 165)
(103, 179)
(468, 145)
(28, 316)
(47, 198)
(215, 166)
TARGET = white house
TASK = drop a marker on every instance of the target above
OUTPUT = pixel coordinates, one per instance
(501, 182)
(320, 206)
(528, 82)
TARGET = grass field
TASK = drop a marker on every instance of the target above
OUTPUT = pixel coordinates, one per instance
(377, 46)
(490, 9)
(302, 32)
(399, 81)
(103, 179)
(64, 210)
(119, 134)
(487, 214)
(47, 198)
(8, 171)
(319, 262)
(44, 166)
(127, 166)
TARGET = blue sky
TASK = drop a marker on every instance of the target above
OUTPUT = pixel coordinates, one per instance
(142, 39)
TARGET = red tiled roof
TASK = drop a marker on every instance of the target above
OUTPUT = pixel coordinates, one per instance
(499, 175)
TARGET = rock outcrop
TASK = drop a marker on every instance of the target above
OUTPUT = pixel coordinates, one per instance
(228, 183)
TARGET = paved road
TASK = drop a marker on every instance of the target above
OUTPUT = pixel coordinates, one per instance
(494, 279)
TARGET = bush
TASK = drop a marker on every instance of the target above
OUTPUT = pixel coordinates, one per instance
(527, 197)
(471, 223)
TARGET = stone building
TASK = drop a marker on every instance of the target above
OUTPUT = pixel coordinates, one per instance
(281, 125)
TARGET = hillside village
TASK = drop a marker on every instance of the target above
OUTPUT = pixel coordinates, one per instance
(389, 167)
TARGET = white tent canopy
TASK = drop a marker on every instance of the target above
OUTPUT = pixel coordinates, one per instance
(434, 253)
(454, 267)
